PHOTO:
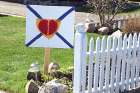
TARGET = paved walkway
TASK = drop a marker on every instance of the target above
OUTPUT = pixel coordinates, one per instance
(12, 8)
(20, 10)
(2, 92)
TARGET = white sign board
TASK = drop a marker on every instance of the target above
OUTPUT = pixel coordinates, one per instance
(50, 26)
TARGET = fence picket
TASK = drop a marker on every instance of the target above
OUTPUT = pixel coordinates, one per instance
(113, 59)
(102, 64)
(123, 70)
(96, 68)
(133, 60)
(123, 21)
(107, 65)
(129, 50)
(138, 60)
(90, 70)
(119, 24)
(118, 67)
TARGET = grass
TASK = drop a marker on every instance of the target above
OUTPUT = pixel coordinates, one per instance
(133, 11)
(15, 57)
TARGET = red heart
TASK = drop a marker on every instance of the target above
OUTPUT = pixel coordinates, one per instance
(48, 27)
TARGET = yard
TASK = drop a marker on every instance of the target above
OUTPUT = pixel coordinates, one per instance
(15, 57)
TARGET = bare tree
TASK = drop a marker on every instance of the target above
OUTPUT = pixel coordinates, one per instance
(106, 9)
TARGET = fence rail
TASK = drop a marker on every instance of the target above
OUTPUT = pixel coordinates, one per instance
(109, 65)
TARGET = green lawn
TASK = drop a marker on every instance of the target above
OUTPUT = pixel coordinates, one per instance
(131, 12)
(15, 57)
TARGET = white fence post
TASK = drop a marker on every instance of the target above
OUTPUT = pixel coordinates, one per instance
(80, 59)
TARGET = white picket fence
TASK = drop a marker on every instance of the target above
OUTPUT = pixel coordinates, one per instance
(113, 64)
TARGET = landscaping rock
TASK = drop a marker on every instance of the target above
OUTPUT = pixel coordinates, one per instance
(103, 30)
(117, 34)
(34, 72)
(32, 87)
(53, 67)
(90, 27)
(53, 87)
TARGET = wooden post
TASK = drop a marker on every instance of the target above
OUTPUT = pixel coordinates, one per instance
(46, 59)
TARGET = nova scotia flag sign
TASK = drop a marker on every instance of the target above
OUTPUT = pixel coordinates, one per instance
(50, 26)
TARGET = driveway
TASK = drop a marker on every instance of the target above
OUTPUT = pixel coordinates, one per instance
(12, 8)
(16, 9)
(2, 92)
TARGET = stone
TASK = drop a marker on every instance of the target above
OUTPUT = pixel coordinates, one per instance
(53, 87)
(103, 30)
(90, 27)
(34, 73)
(117, 34)
(32, 87)
(53, 67)
(54, 81)
(36, 76)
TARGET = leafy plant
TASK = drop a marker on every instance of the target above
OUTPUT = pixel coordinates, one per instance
(106, 10)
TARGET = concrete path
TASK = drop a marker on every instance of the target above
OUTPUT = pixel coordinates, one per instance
(12, 8)
(16, 9)
(2, 92)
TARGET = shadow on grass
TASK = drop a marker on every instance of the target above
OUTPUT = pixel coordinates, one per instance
(1, 15)
(131, 10)
(84, 8)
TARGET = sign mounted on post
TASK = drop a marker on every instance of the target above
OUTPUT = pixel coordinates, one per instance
(50, 26)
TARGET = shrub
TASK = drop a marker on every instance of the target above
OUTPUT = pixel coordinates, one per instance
(132, 25)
